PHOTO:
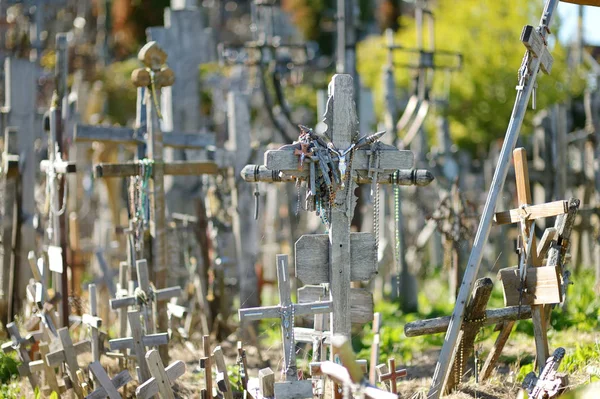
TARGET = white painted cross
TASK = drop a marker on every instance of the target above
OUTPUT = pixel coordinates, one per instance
(107, 387)
(162, 379)
(68, 355)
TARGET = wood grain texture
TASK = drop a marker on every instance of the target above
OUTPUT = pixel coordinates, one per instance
(361, 302)
(543, 286)
(110, 390)
(533, 212)
(266, 381)
(293, 389)
(312, 255)
(157, 369)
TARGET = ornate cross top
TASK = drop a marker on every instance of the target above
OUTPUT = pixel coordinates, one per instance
(286, 311)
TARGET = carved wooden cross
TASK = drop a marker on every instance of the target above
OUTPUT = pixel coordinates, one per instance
(349, 256)
(107, 387)
(162, 379)
(68, 355)
(18, 344)
(392, 375)
(146, 296)
(93, 322)
(138, 343)
(286, 311)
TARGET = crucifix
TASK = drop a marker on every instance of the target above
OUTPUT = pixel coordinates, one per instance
(349, 256)
(286, 311)
(138, 343)
(154, 76)
(10, 222)
(162, 379)
(18, 344)
(107, 387)
(392, 374)
(68, 355)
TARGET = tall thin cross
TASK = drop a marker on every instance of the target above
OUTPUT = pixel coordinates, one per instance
(162, 379)
(286, 311)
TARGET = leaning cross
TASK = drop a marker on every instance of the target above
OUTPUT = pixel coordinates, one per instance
(286, 311)
(138, 343)
(51, 383)
(392, 375)
(41, 301)
(68, 354)
(107, 387)
(162, 379)
(145, 296)
(349, 256)
(18, 344)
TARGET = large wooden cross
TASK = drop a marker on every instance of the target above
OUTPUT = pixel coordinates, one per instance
(391, 374)
(286, 311)
(138, 343)
(349, 256)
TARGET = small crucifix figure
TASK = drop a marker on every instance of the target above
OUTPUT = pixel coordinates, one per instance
(18, 344)
(162, 379)
(286, 311)
(107, 387)
(392, 375)
(68, 355)
(138, 343)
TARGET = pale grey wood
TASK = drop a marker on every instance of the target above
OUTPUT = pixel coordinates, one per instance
(545, 242)
(312, 253)
(109, 387)
(68, 354)
(42, 365)
(150, 387)
(166, 294)
(293, 389)
(147, 310)
(147, 340)
(361, 302)
(122, 291)
(133, 137)
(157, 369)
(117, 382)
(219, 359)
(309, 335)
(137, 344)
(266, 381)
(440, 324)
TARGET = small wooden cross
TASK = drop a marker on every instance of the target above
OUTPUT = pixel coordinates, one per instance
(50, 380)
(68, 354)
(162, 379)
(549, 384)
(107, 387)
(18, 344)
(206, 364)
(93, 322)
(392, 375)
(223, 382)
(146, 297)
(138, 343)
(286, 311)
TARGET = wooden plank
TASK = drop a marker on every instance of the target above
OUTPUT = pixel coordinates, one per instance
(293, 389)
(118, 381)
(157, 369)
(545, 242)
(496, 350)
(533, 212)
(70, 357)
(181, 168)
(49, 373)
(207, 364)
(219, 359)
(107, 385)
(542, 283)
(137, 343)
(266, 382)
(312, 251)
(361, 302)
(440, 324)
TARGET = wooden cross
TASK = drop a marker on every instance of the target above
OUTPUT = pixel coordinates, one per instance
(68, 355)
(138, 343)
(286, 311)
(93, 322)
(37, 366)
(162, 379)
(146, 297)
(242, 365)
(10, 228)
(550, 384)
(392, 375)
(223, 382)
(107, 387)
(43, 305)
(349, 256)
(18, 344)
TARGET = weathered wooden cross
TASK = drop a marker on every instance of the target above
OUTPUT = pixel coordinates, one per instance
(68, 355)
(138, 343)
(349, 256)
(107, 387)
(43, 304)
(287, 311)
(391, 374)
(50, 380)
(222, 381)
(94, 322)
(18, 344)
(162, 379)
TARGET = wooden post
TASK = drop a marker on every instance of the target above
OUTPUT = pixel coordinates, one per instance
(537, 57)
(375, 348)
(94, 322)
(206, 364)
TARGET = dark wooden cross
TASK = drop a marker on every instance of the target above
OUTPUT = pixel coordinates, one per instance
(162, 379)
(138, 343)
(349, 256)
(68, 355)
(107, 387)
(286, 311)
(392, 375)
(10, 228)
(18, 344)
(146, 297)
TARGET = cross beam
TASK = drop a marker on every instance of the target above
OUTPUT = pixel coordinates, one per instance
(68, 354)
(18, 344)
(107, 387)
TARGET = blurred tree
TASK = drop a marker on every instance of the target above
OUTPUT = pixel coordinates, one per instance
(388, 14)
(482, 94)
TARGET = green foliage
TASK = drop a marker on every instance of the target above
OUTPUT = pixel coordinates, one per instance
(482, 94)
(8, 368)
(11, 389)
(581, 357)
(523, 371)
(120, 90)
